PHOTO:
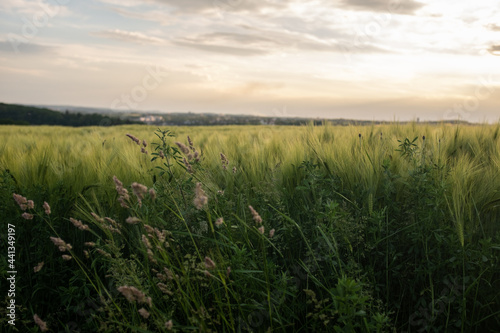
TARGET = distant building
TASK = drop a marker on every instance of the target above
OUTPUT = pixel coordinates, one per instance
(150, 119)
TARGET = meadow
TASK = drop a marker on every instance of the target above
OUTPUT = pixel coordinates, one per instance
(387, 228)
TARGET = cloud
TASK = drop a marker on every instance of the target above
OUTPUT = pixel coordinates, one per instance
(19, 47)
(229, 50)
(493, 27)
(407, 7)
(494, 50)
(128, 36)
(198, 6)
(262, 42)
(194, 6)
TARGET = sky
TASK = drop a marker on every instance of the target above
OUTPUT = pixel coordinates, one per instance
(354, 59)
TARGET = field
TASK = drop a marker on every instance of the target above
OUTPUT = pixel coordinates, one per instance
(390, 228)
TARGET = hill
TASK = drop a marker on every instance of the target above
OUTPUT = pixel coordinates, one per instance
(13, 114)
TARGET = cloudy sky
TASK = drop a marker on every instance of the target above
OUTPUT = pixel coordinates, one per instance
(361, 59)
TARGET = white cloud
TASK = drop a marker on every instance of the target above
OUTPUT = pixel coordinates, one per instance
(128, 36)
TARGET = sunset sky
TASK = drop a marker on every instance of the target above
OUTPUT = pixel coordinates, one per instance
(357, 59)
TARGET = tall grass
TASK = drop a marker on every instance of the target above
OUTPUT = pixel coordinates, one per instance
(377, 228)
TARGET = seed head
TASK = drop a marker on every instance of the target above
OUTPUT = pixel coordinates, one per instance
(219, 222)
(271, 233)
(146, 242)
(183, 148)
(66, 257)
(27, 216)
(152, 194)
(31, 204)
(187, 165)
(79, 224)
(41, 324)
(139, 190)
(133, 138)
(191, 145)
(38, 267)
(261, 230)
(255, 215)
(201, 198)
(61, 244)
(46, 207)
(144, 313)
(132, 220)
(209, 263)
(21, 201)
(169, 325)
(132, 294)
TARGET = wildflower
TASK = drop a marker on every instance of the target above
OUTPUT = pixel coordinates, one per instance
(152, 194)
(118, 183)
(169, 273)
(38, 267)
(144, 143)
(79, 224)
(21, 201)
(132, 220)
(61, 244)
(46, 207)
(151, 256)
(133, 138)
(124, 197)
(27, 216)
(66, 257)
(169, 325)
(144, 313)
(219, 222)
(144, 151)
(40, 323)
(271, 233)
(188, 166)
(261, 230)
(190, 143)
(183, 147)
(111, 221)
(139, 190)
(224, 160)
(146, 242)
(255, 215)
(196, 156)
(209, 263)
(162, 155)
(31, 204)
(132, 294)
(89, 244)
(164, 289)
(201, 198)
(104, 253)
